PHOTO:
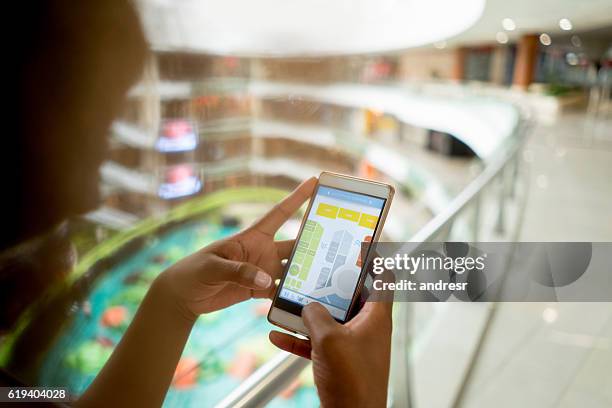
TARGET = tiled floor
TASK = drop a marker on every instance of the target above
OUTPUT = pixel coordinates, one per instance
(570, 197)
(532, 359)
(548, 355)
(544, 354)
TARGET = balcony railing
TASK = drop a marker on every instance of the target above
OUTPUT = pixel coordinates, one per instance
(483, 209)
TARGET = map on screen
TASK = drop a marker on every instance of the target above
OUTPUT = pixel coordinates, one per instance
(326, 264)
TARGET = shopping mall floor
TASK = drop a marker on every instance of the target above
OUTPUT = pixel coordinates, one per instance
(536, 354)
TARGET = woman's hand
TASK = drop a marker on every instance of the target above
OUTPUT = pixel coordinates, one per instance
(245, 265)
(238, 268)
(350, 362)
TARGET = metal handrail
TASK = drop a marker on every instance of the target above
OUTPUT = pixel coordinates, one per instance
(265, 383)
(270, 379)
(468, 195)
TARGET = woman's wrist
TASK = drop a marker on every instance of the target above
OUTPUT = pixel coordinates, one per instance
(343, 396)
(163, 291)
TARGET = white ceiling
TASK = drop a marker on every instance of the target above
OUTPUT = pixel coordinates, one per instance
(536, 16)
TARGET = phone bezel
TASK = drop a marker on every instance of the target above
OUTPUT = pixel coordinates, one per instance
(287, 314)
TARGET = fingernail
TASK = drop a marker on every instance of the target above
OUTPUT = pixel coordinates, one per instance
(262, 279)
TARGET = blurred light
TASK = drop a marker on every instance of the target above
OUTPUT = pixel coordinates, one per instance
(571, 58)
(440, 44)
(542, 181)
(501, 37)
(545, 39)
(560, 152)
(508, 24)
(565, 24)
(177, 135)
(314, 28)
(550, 315)
(576, 41)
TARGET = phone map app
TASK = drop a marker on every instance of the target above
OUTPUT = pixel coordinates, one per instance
(326, 264)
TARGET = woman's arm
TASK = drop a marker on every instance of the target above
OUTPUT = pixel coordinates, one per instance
(229, 271)
(140, 370)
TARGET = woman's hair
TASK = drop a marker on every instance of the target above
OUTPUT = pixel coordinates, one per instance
(71, 64)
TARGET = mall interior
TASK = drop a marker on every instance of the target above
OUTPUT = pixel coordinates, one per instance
(492, 119)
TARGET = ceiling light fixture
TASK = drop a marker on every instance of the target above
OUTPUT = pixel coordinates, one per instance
(545, 39)
(311, 28)
(501, 37)
(508, 24)
(565, 24)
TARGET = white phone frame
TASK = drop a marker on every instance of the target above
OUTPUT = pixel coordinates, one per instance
(293, 322)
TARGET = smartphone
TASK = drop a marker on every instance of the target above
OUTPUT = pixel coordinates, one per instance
(325, 265)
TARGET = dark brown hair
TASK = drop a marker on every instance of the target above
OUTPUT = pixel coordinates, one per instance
(72, 63)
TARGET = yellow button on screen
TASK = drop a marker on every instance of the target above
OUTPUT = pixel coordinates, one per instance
(368, 221)
(348, 215)
(326, 210)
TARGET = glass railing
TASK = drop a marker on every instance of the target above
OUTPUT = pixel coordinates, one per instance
(489, 208)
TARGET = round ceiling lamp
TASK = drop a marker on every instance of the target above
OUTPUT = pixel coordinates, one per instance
(293, 28)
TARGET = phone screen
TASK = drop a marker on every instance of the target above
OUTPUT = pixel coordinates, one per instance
(326, 263)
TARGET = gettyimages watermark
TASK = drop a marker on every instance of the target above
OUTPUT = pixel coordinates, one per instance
(489, 271)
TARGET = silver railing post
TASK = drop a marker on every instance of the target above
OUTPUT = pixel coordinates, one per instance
(500, 224)
(514, 176)
(476, 218)
(400, 395)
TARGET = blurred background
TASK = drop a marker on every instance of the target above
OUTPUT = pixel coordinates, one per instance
(492, 119)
